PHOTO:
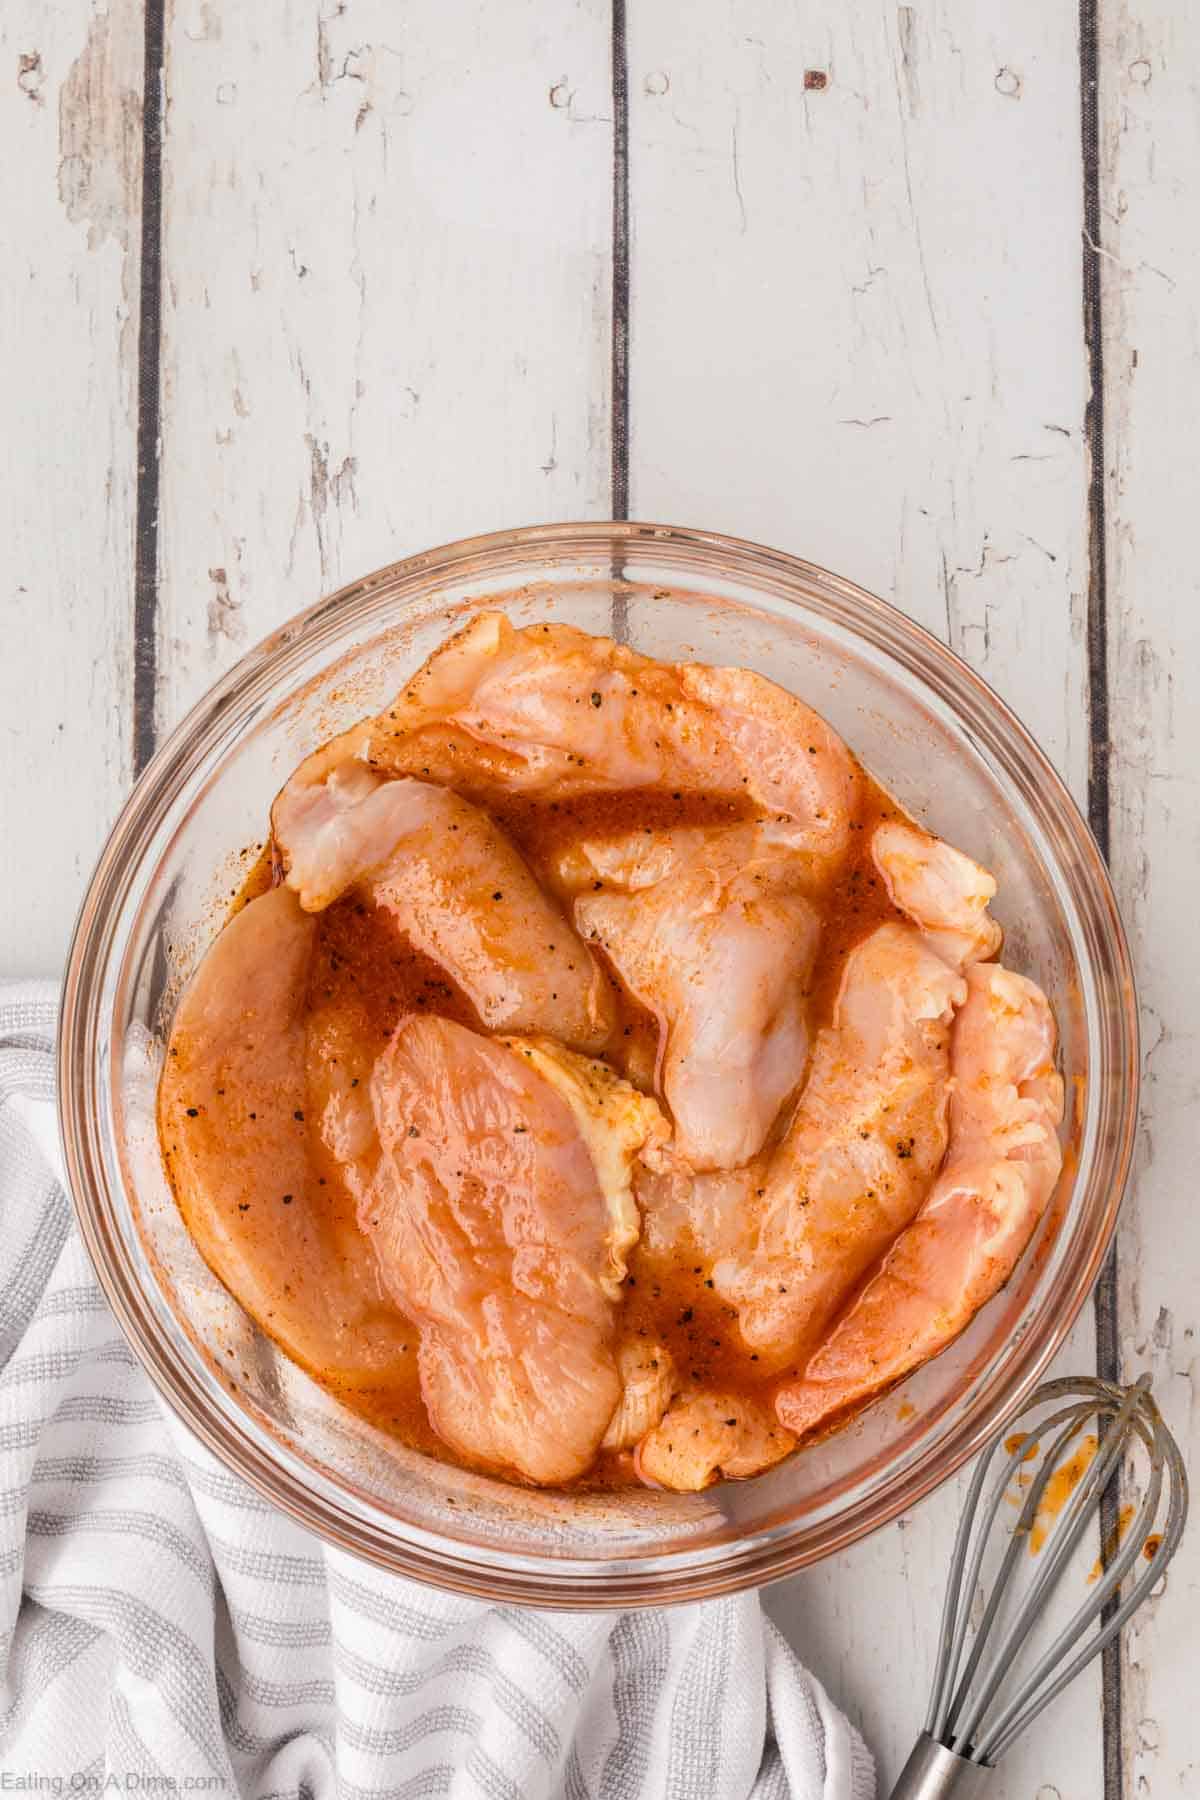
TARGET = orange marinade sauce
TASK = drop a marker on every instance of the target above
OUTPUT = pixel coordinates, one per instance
(675, 1304)
(364, 962)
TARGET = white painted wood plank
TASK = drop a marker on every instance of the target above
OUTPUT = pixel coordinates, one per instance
(70, 103)
(857, 314)
(857, 334)
(387, 324)
(1150, 149)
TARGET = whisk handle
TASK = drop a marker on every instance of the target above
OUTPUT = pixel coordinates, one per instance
(934, 1773)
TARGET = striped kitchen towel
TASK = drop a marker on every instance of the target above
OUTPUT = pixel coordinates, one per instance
(164, 1628)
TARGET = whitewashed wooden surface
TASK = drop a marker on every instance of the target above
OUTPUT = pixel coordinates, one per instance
(391, 275)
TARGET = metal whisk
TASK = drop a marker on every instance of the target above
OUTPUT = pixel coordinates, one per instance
(985, 1697)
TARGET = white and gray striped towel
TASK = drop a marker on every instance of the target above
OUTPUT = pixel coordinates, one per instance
(163, 1627)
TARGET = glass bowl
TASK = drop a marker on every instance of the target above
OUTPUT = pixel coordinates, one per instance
(918, 718)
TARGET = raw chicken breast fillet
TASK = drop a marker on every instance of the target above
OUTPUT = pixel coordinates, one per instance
(649, 1382)
(1004, 1159)
(723, 956)
(502, 1231)
(705, 1435)
(940, 889)
(550, 711)
(459, 889)
(858, 1158)
(232, 1117)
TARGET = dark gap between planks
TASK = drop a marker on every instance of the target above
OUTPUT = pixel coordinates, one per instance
(1105, 1299)
(619, 327)
(620, 266)
(145, 585)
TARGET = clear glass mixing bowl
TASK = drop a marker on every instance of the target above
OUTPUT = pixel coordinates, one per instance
(920, 720)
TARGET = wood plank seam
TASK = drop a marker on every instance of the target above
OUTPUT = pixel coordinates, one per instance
(619, 305)
(1108, 1362)
(619, 399)
(145, 602)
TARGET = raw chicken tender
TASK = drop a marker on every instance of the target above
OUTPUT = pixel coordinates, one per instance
(941, 890)
(327, 832)
(648, 1385)
(614, 1121)
(709, 1215)
(340, 1064)
(1004, 1159)
(461, 892)
(723, 957)
(231, 1112)
(551, 711)
(632, 862)
(495, 1232)
(858, 1157)
(705, 1435)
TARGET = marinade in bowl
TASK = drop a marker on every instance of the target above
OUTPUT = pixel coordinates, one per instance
(955, 761)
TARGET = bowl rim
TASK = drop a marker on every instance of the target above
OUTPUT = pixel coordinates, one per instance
(552, 1582)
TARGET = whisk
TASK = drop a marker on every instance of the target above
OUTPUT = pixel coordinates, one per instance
(984, 1698)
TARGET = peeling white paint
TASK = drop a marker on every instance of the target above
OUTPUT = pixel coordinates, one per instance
(70, 136)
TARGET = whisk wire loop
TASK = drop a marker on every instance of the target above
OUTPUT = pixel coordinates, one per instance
(1075, 1417)
(1084, 1615)
(963, 1729)
(1059, 1551)
(1156, 1568)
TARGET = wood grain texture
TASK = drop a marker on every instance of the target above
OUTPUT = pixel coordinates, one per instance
(386, 324)
(70, 103)
(857, 333)
(1150, 110)
(856, 311)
